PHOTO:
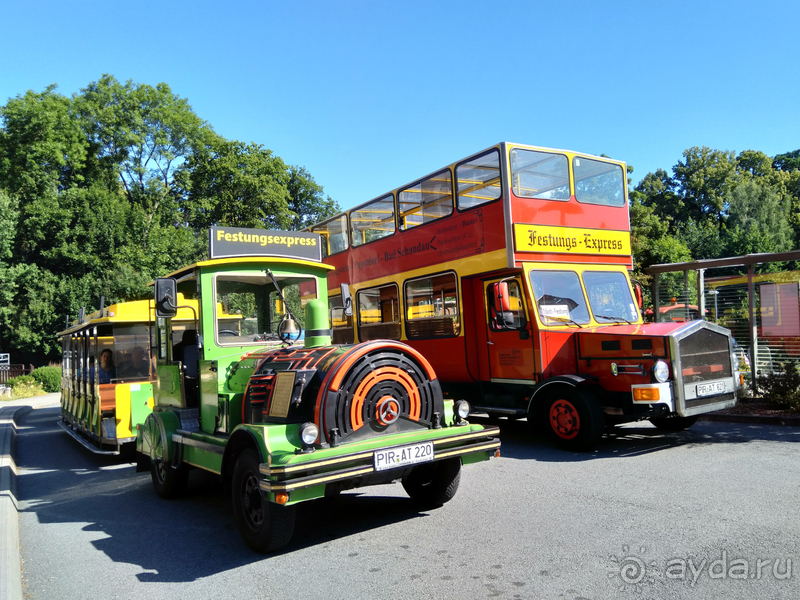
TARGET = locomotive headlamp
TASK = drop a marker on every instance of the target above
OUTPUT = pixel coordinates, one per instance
(661, 371)
(308, 435)
(462, 409)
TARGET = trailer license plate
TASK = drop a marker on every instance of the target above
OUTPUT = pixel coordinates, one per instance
(709, 389)
(393, 458)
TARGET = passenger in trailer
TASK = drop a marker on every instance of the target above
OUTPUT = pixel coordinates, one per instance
(139, 366)
(106, 371)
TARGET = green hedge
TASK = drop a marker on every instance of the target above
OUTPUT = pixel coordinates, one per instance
(21, 381)
(49, 377)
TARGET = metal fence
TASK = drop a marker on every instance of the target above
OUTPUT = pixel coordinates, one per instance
(762, 310)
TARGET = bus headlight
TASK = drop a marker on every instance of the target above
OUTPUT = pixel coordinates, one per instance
(661, 371)
(461, 410)
(308, 435)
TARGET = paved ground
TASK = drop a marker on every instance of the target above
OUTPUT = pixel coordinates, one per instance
(10, 413)
(646, 515)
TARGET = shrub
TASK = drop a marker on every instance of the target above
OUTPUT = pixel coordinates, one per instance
(21, 381)
(49, 377)
(782, 387)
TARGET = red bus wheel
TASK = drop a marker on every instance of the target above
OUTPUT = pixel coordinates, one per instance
(574, 417)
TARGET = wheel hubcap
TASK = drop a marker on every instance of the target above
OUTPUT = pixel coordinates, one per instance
(564, 419)
(251, 501)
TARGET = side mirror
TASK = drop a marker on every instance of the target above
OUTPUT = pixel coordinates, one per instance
(166, 296)
(638, 294)
(347, 300)
(501, 305)
(500, 297)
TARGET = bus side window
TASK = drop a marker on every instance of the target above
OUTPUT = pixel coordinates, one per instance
(378, 313)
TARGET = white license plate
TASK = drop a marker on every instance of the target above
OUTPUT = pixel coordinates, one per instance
(401, 456)
(709, 389)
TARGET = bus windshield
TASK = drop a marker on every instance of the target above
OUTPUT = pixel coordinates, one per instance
(610, 296)
(559, 297)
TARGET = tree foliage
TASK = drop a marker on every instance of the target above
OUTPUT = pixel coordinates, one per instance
(103, 191)
(717, 203)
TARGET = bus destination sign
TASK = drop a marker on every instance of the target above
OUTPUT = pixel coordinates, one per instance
(235, 242)
(571, 240)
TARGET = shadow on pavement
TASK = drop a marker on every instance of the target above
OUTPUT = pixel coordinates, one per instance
(171, 540)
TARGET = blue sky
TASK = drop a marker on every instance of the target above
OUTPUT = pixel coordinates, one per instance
(371, 95)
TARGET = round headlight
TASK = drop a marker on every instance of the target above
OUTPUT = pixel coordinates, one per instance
(309, 433)
(462, 409)
(661, 371)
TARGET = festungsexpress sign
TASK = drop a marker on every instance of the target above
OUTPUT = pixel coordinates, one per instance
(235, 242)
(571, 240)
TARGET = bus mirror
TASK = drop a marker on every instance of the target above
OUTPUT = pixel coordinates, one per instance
(347, 300)
(500, 297)
(166, 296)
(638, 294)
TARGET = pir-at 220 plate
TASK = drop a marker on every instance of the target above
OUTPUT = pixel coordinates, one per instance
(402, 456)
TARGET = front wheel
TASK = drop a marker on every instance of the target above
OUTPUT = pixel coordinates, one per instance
(264, 526)
(574, 418)
(673, 423)
(432, 484)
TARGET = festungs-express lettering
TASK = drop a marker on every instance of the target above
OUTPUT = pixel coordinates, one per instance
(263, 240)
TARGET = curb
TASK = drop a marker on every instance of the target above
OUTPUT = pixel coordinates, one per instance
(753, 419)
(10, 563)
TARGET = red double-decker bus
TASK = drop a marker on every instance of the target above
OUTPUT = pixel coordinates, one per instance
(508, 271)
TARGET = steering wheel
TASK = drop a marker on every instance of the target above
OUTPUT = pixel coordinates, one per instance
(227, 332)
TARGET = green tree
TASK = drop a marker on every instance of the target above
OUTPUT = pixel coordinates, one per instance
(306, 200)
(103, 191)
(757, 221)
(144, 134)
(235, 184)
(703, 178)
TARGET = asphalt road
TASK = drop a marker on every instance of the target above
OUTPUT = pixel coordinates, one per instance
(707, 513)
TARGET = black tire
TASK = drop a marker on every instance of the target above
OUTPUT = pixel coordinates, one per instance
(168, 482)
(264, 526)
(574, 417)
(432, 484)
(673, 423)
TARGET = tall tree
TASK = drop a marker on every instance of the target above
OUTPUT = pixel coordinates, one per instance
(235, 184)
(758, 221)
(144, 134)
(306, 200)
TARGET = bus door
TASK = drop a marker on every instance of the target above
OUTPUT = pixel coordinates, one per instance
(509, 344)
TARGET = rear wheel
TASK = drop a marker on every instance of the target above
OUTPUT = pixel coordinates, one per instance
(574, 417)
(432, 484)
(265, 526)
(168, 481)
(673, 423)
